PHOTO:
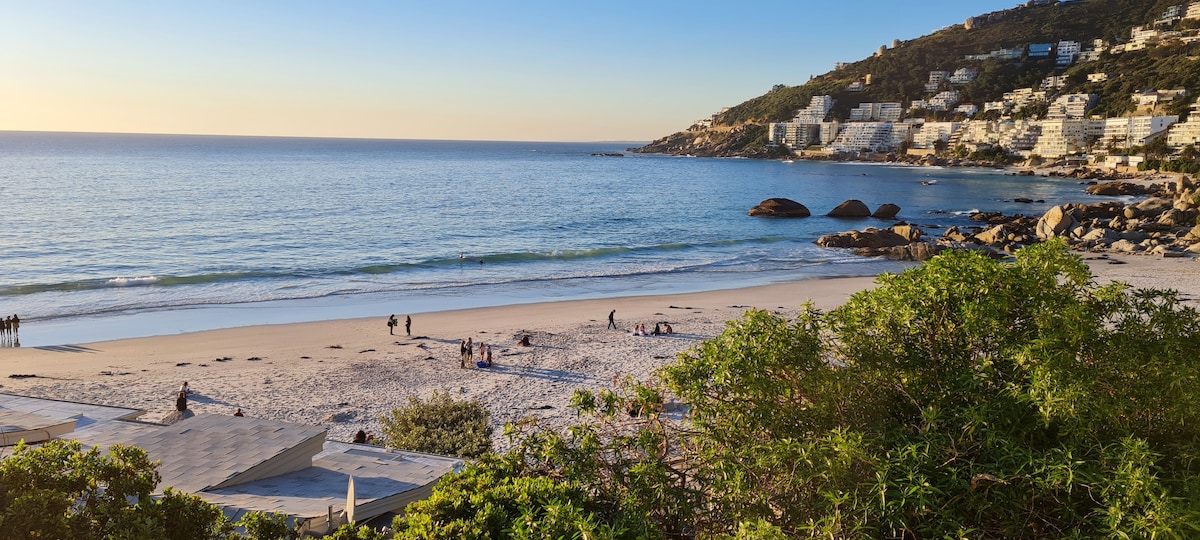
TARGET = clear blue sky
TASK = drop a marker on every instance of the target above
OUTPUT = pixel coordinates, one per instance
(450, 69)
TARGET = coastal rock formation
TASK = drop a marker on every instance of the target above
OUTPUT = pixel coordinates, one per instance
(869, 238)
(1117, 188)
(852, 208)
(916, 251)
(780, 207)
(886, 211)
(1056, 222)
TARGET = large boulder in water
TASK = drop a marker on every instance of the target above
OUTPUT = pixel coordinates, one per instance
(779, 207)
(852, 208)
(886, 211)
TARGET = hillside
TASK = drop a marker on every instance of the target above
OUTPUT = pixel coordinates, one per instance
(900, 73)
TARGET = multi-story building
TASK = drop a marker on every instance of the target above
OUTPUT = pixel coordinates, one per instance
(804, 129)
(1061, 137)
(1097, 77)
(1040, 50)
(1193, 11)
(1136, 131)
(943, 101)
(1185, 133)
(885, 111)
(963, 76)
(1142, 37)
(1071, 106)
(1054, 81)
(1067, 52)
(863, 137)
(936, 78)
(931, 133)
(1020, 136)
(969, 109)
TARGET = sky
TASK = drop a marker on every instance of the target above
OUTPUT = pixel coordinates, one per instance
(562, 70)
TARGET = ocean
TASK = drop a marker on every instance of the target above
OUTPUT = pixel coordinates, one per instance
(106, 236)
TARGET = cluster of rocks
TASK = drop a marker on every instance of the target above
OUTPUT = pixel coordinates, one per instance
(1164, 224)
(853, 208)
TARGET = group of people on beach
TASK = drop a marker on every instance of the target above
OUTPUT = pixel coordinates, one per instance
(8, 331)
(660, 329)
(467, 348)
(393, 322)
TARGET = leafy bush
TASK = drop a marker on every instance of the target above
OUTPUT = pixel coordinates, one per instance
(962, 398)
(440, 426)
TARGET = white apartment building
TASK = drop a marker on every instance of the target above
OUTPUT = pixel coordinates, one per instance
(804, 129)
(818, 108)
(969, 109)
(977, 132)
(1067, 52)
(1185, 133)
(1019, 137)
(829, 132)
(884, 111)
(902, 132)
(1193, 11)
(936, 78)
(1054, 81)
(1001, 106)
(1061, 137)
(963, 76)
(932, 132)
(863, 136)
(1071, 106)
(943, 101)
(1128, 132)
(1140, 38)
(1097, 77)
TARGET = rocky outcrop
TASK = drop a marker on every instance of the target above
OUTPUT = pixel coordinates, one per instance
(869, 238)
(177, 416)
(1056, 222)
(779, 207)
(886, 211)
(1118, 188)
(852, 208)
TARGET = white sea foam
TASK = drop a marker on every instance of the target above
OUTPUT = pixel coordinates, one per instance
(131, 282)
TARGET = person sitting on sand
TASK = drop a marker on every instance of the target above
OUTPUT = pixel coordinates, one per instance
(238, 412)
(667, 329)
(183, 389)
(657, 329)
(360, 437)
(524, 341)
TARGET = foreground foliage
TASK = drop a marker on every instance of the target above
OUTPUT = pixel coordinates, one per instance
(60, 490)
(963, 398)
(441, 425)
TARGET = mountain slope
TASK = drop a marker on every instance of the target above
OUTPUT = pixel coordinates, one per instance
(900, 73)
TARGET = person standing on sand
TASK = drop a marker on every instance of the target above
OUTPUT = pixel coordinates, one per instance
(612, 322)
(470, 351)
(462, 352)
(14, 324)
(392, 325)
(408, 325)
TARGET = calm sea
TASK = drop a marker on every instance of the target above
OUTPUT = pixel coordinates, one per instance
(107, 236)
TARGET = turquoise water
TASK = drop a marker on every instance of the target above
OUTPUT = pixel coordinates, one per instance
(107, 236)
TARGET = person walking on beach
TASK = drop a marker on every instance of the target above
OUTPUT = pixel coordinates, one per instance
(612, 322)
(14, 324)
(408, 325)
(392, 325)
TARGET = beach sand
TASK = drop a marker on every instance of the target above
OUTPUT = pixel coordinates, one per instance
(344, 374)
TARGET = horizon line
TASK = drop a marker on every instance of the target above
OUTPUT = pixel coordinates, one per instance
(325, 137)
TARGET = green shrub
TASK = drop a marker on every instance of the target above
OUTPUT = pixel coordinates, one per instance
(440, 426)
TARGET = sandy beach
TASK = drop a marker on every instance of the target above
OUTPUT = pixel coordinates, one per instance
(344, 374)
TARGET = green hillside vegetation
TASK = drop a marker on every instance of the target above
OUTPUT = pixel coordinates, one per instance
(900, 73)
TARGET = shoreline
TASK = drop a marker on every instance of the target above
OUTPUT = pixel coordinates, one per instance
(344, 374)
